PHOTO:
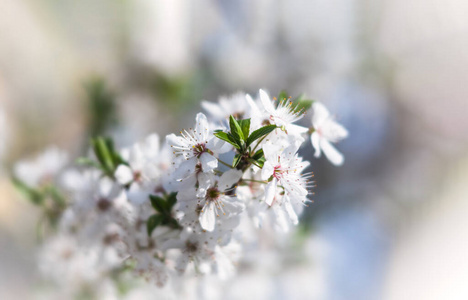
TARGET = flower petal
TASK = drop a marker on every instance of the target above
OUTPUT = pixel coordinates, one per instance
(137, 195)
(123, 174)
(207, 217)
(201, 128)
(186, 168)
(136, 158)
(296, 129)
(270, 191)
(333, 131)
(208, 161)
(271, 152)
(320, 114)
(213, 109)
(152, 144)
(266, 101)
(232, 206)
(218, 145)
(205, 180)
(267, 170)
(331, 153)
(175, 140)
(315, 139)
(253, 106)
(228, 179)
(290, 210)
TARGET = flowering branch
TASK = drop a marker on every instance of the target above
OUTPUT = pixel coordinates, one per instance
(160, 209)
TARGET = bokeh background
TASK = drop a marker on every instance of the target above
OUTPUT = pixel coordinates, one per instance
(393, 221)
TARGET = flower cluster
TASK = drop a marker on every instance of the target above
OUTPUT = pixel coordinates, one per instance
(186, 206)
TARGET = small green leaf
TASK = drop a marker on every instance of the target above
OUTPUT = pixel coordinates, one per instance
(58, 198)
(118, 160)
(236, 161)
(236, 130)
(84, 161)
(101, 149)
(159, 204)
(171, 222)
(33, 195)
(153, 222)
(303, 105)
(245, 126)
(172, 199)
(282, 95)
(258, 154)
(259, 133)
(227, 137)
(261, 161)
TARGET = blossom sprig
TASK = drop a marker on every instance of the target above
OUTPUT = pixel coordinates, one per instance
(182, 207)
(241, 138)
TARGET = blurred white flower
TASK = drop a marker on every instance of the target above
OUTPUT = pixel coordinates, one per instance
(235, 105)
(43, 169)
(284, 115)
(142, 171)
(326, 131)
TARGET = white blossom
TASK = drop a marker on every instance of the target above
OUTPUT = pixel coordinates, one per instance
(142, 171)
(283, 168)
(326, 132)
(283, 115)
(43, 169)
(174, 210)
(193, 146)
(235, 105)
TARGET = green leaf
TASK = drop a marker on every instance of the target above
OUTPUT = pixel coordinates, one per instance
(259, 133)
(236, 161)
(282, 95)
(258, 154)
(303, 105)
(118, 160)
(84, 161)
(58, 198)
(33, 195)
(261, 161)
(159, 204)
(174, 224)
(153, 222)
(245, 126)
(104, 155)
(101, 106)
(236, 130)
(227, 137)
(172, 199)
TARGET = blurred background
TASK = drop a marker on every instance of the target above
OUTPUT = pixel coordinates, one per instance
(393, 220)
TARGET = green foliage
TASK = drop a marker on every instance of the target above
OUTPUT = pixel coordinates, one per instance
(300, 103)
(227, 137)
(35, 196)
(153, 222)
(260, 133)
(101, 106)
(241, 138)
(245, 126)
(258, 155)
(237, 160)
(163, 216)
(236, 130)
(47, 197)
(108, 157)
